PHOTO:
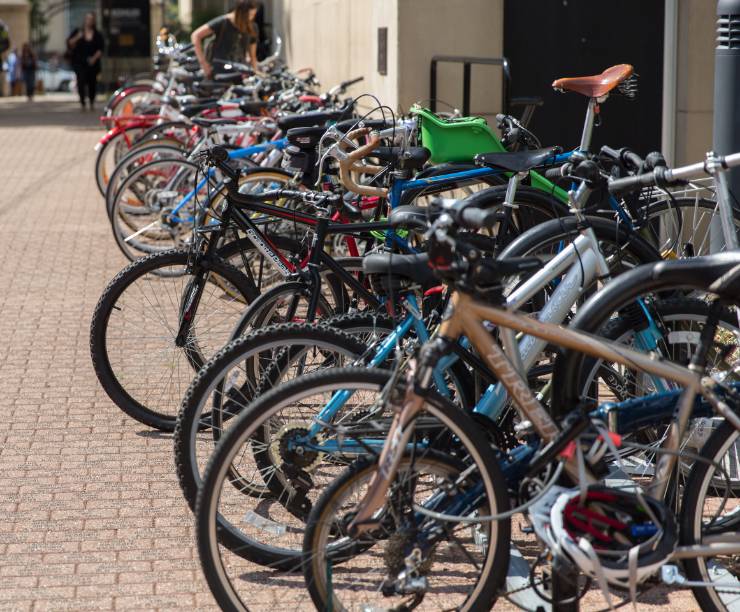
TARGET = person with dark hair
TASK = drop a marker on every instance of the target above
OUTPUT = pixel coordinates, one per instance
(85, 47)
(28, 68)
(235, 38)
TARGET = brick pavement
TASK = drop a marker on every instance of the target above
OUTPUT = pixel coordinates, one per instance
(92, 517)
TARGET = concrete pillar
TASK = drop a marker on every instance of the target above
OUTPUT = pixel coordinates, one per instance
(185, 13)
(339, 39)
(440, 27)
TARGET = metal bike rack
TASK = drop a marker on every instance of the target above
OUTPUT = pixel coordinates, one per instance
(467, 62)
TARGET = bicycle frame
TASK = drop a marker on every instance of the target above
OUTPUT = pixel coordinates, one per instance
(466, 318)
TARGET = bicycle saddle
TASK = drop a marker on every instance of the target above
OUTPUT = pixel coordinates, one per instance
(305, 138)
(412, 158)
(228, 77)
(519, 161)
(193, 109)
(408, 267)
(309, 119)
(597, 85)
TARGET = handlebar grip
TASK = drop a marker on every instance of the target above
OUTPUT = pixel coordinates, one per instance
(655, 160)
(632, 159)
(554, 173)
(609, 152)
(477, 218)
(632, 183)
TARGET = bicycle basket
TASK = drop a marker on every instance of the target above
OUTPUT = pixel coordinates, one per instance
(455, 140)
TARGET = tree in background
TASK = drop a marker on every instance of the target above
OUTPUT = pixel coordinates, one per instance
(39, 22)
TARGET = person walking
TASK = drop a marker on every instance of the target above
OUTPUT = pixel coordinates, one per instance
(14, 72)
(235, 38)
(28, 68)
(85, 46)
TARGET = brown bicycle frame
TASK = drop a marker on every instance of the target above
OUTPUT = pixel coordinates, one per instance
(466, 318)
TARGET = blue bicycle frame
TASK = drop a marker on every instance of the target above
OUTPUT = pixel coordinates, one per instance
(234, 154)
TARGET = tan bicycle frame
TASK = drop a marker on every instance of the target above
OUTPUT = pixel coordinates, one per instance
(466, 318)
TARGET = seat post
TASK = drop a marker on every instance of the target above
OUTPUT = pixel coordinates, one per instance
(588, 125)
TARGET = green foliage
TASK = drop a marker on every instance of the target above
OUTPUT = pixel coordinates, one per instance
(39, 35)
(204, 15)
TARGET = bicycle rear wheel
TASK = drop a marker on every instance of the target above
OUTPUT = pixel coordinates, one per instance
(683, 227)
(461, 568)
(271, 534)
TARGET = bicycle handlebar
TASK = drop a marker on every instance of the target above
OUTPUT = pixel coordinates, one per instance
(350, 162)
(662, 176)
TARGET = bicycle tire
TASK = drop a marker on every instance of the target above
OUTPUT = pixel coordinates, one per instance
(692, 213)
(209, 379)
(124, 166)
(721, 447)
(211, 527)
(490, 576)
(109, 303)
(101, 174)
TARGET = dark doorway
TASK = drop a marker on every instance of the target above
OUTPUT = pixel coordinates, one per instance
(549, 39)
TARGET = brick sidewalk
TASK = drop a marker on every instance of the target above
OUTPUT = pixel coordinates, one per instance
(92, 516)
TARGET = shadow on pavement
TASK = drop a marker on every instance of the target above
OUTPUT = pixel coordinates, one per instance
(53, 111)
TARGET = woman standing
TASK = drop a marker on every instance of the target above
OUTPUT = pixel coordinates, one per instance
(28, 68)
(85, 47)
(236, 35)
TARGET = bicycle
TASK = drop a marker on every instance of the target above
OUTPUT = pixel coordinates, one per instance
(466, 318)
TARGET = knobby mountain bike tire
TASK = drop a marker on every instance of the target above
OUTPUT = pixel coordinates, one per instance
(209, 509)
(241, 365)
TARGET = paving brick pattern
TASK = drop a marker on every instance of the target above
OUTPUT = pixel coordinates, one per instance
(91, 516)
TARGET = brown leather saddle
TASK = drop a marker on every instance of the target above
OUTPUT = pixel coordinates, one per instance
(597, 85)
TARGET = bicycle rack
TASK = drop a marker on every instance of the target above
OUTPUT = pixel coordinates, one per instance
(467, 62)
(507, 102)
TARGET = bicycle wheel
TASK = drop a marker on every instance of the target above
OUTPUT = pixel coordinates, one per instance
(680, 322)
(112, 151)
(710, 513)
(235, 376)
(531, 208)
(285, 303)
(135, 158)
(142, 215)
(134, 101)
(220, 504)
(135, 323)
(681, 227)
(345, 573)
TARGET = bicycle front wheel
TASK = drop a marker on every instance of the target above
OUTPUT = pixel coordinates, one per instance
(271, 533)
(136, 321)
(710, 514)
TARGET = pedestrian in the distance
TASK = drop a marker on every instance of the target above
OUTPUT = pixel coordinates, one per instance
(235, 38)
(28, 67)
(85, 48)
(14, 72)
